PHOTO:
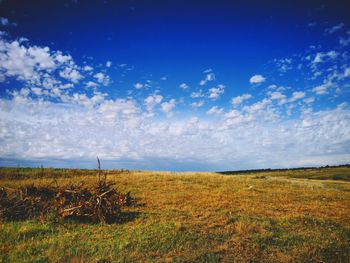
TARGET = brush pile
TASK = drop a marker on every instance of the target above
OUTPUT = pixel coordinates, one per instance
(101, 203)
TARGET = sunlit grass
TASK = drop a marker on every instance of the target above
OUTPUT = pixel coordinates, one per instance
(205, 217)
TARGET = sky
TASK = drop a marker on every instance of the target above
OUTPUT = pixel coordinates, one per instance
(174, 85)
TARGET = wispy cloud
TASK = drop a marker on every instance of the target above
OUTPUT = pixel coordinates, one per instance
(5, 22)
(209, 77)
(334, 29)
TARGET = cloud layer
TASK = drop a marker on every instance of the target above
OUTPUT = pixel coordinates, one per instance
(63, 111)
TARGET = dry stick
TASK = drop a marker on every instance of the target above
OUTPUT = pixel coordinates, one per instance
(72, 208)
(106, 192)
(99, 170)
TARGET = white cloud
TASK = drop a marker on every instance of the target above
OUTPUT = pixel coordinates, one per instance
(108, 64)
(71, 74)
(197, 94)
(40, 67)
(183, 86)
(197, 104)
(256, 79)
(343, 106)
(88, 68)
(5, 22)
(116, 130)
(297, 95)
(60, 58)
(16, 60)
(344, 41)
(277, 96)
(37, 91)
(91, 84)
(321, 90)
(102, 78)
(309, 100)
(152, 100)
(346, 72)
(258, 106)
(216, 92)
(334, 28)
(284, 64)
(134, 130)
(215, 110)
(138, 85)
(321, 56)
(239, 99)
(209, 77)
(168, 106)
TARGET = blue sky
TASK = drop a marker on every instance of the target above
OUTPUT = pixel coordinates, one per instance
(174, 85)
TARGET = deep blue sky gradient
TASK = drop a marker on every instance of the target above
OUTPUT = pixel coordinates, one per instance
(178, 39)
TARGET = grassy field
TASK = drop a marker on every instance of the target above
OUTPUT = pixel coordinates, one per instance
(194, 217)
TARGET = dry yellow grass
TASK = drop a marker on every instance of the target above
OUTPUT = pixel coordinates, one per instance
(204, 217)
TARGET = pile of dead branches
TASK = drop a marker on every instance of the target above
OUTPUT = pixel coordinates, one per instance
(101, 203)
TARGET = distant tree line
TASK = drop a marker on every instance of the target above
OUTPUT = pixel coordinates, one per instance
(282, 169)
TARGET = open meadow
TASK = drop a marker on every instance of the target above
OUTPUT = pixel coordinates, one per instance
(193, 217)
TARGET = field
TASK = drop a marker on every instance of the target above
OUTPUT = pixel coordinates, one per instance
(281, 216)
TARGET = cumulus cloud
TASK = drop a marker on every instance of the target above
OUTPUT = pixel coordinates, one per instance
(197, 104)
(71, 74)
(239, 99)
(257, 107)
(168, 106)
(152, 100)
(108, 64)
(346, 72)
(91, 84)
(183, 86)
(102, 78)
(116, 129)
(209, 77)
(216, 92)
(344, 41)
(138, 85)
(321, 56)
(297, 95)
(5, 22)
(49, 72)
(278, 96)
(320, 90)
(88, 68)
(197, 94)
(143, 129)
(215, 110)
(256, 79)
(16, 60)
(284, 64)
(309, 100)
